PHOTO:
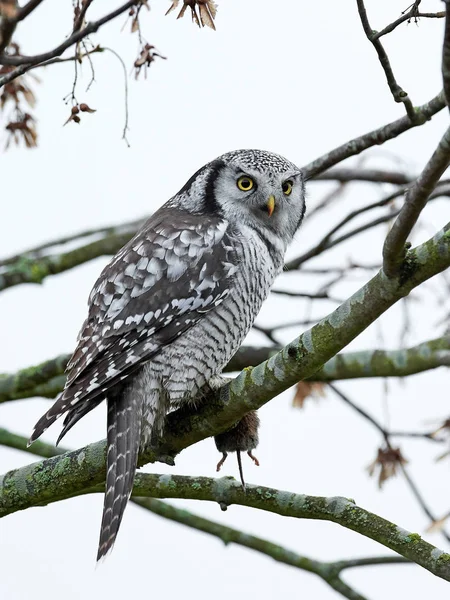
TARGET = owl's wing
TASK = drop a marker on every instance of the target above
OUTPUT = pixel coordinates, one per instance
(159, 285)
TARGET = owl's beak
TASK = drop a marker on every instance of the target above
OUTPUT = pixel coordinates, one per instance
(270, 205)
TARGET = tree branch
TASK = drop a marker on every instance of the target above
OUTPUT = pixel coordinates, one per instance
(415, 200)
(8, 22)
(77, 36)
(412, 14)
(27, 9)
(387, 438)
(47, 379)
(249, 391)
(446, 55)
(34, 270)
(376, 137)
(226, 491)
(397, 92)
(328, 571)
(345, 175)
(25, 63)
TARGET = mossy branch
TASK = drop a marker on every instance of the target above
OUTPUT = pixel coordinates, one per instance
(328, 571)
(227, 491)
(77, 471)
(47, 379)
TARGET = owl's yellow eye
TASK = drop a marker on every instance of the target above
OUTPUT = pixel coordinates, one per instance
(287, 187)
(245, 184)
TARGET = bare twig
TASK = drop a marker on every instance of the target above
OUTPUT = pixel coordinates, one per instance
(415, 200)
(397, 92)
(374, 175)
(323, 295)
(387, 438)
(326, 242)
(446, 55)
(328, 571)
(125, 81)
(78, 24)
(25, 63)
(70, 41)
(8, 20)
(27, 9)
(411, 14)
(375, 137)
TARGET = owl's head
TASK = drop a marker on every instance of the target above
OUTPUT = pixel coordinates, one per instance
(252, 187)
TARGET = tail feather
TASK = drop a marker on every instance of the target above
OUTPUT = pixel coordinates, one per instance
(76, 413)
(124, 429)
(56, 411)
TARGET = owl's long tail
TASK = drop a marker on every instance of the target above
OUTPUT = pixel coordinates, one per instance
(123, 438)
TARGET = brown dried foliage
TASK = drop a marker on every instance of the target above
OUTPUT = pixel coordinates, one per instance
(145, 59)
(306, 389)
(386, 464)
(207, 10)
(17, 94)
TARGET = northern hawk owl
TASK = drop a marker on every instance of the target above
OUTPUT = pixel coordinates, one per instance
(174, 304)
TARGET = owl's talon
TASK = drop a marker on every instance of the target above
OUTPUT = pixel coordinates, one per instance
(221, 461)
(254, 459)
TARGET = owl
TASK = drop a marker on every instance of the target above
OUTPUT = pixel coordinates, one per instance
(173, 306)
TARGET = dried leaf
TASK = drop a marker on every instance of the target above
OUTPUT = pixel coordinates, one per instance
(23, 128)
(173, 6)
(438, 525)
(135, 24)
(387, 462)
(145, 58)
(207, 10)
(304, 389)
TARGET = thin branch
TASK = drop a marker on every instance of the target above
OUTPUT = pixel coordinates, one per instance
(412, 14)
(18, 442)
(81, 16)
(368, 562)
(27, 9)
(324, 295)
(125, 81)
(328, 571)
(38, 251)
(387, 438)
(326, 243)
(35, 270)
(376, 137)
(26, 63)
(345, 175)
(8, 22)
(70, 41)
(446, 55)
(226, 492)
(47, 379)
(360, 411)
(249, 391)
(397, 92)
(415, 200)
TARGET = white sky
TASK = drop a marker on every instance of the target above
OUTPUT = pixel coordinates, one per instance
(296, 78)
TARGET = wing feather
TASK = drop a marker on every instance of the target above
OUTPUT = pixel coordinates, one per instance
(177, 268)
